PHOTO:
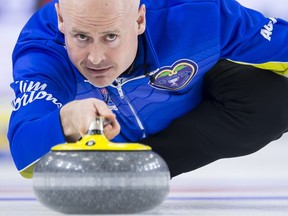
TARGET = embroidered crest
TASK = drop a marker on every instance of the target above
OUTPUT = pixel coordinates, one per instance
(176, 76)
(107, 99)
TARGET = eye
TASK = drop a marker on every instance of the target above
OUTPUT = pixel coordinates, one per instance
(110, 37)
(82, 37)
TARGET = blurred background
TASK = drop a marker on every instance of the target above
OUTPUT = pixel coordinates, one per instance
(15, 13)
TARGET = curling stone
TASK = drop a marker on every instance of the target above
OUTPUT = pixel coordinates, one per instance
(96, 176)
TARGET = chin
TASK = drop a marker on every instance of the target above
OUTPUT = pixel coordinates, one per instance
(101, 84)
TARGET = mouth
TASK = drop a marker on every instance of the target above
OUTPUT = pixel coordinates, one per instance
(98, 71)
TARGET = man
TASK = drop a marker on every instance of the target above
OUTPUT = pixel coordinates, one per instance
(142, 66)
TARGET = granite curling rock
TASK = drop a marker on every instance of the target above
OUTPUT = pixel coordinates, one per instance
(96, 176)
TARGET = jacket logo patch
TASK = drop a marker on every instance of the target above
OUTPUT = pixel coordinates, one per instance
(31, 91)
(174, 77)
(107, 99)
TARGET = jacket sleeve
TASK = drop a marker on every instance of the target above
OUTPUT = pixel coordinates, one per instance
(42, 80)
(249, 37)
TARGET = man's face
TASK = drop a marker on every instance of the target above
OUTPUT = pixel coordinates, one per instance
(101, 36)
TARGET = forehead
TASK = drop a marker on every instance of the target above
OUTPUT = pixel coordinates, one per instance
(97, 7)
(88, 14)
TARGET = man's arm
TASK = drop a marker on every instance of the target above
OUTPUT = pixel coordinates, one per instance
(41, 86)
(250, 38)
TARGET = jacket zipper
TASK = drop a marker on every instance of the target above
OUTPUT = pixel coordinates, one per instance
(122, 96)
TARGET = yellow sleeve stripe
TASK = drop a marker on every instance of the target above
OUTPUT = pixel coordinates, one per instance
(277, 67)
(27, 172)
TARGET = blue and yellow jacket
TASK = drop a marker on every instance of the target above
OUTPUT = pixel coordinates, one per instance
(183, 40)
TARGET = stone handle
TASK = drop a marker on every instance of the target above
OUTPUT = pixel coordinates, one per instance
(97, 125)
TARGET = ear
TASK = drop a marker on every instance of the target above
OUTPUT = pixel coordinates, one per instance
(60, 18)
(141, 19)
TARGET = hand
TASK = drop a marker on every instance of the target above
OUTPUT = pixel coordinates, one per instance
(77, 115)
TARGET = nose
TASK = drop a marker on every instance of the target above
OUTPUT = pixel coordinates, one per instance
(96, 54)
